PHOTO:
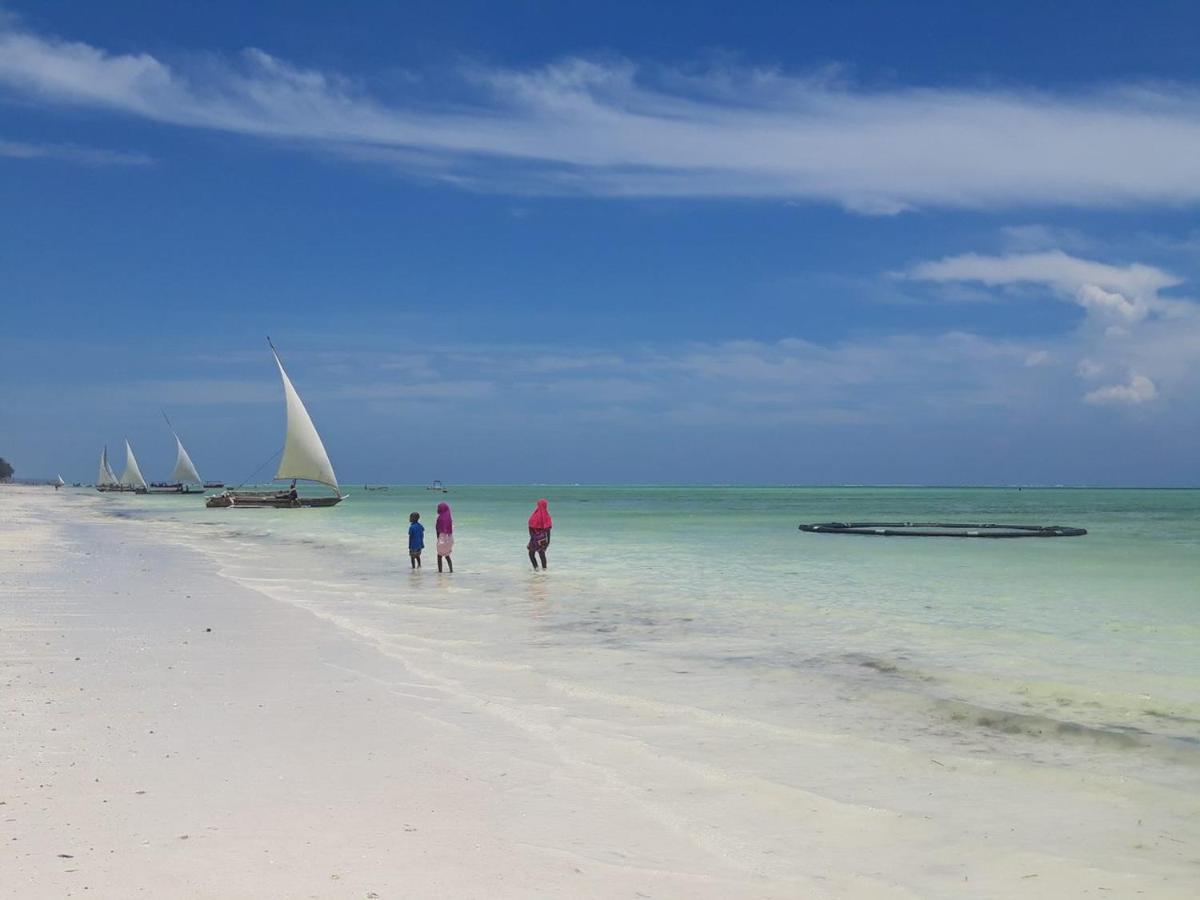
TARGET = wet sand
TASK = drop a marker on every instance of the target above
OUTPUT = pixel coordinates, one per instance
(169, 732)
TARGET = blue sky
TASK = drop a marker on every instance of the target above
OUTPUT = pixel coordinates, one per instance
(791, 243)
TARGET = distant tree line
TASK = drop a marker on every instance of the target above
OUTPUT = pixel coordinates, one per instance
(6, 469)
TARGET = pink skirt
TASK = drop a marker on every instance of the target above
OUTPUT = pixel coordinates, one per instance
(445, 544)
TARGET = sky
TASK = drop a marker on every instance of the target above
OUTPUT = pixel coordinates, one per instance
(797, 243)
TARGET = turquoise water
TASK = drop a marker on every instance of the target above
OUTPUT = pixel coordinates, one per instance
(1060, 650)
(1022, 714)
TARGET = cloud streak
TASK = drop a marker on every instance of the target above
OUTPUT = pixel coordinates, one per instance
(1140, 389)
(614, 128)
(89, 156)
(1128, 326)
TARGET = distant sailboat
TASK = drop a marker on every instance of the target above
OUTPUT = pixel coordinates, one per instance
(132, 478)
(184, 479)
(107, 480)
(58, 482)
(304, 459)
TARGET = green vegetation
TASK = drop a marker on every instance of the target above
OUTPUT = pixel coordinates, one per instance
(6, 469)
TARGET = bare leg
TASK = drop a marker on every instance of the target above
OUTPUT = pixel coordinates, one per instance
(440, 563)
(450, 563)
(412, 560)
(533, 560)
(542, 554)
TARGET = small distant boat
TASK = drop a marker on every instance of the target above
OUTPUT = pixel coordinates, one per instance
(304, 459)
(208, 485)
(184, 479)
(438, 486)
(131, 480)
(376, 487)
(106, 480)
(58, 482)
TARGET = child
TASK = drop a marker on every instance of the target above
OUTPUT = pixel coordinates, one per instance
(416, 540)
(445, 536)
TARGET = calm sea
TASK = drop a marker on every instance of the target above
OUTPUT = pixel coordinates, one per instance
(1070, 651)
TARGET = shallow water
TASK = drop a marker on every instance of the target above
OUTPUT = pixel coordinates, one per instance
(1044, 648)
(942, 708)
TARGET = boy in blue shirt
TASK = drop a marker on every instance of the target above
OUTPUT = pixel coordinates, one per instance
(416, 540)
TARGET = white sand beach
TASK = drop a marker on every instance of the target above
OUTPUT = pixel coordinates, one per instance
(167, 731)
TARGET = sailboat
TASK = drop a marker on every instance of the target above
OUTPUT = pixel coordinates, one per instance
(184, 479)
(131, 478)
(58, 482)
(107, 480)
(304, 459)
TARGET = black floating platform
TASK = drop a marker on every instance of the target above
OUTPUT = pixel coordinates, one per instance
(943, 529)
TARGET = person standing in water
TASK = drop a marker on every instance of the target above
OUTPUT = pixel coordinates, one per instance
(416, 540)
(445, 536)
(540, 524)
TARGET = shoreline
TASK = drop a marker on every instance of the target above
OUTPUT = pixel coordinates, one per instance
(272, 756)
(303, 739)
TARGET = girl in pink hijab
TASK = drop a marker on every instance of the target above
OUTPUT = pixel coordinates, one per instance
(445, 536)
(540, 524)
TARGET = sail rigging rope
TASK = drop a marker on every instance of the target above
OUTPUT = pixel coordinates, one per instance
(264, 463)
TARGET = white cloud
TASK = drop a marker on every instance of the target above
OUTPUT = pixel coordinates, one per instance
(617, 129)
(1116, 296)
(1096, 298)
(1140, 389)
(1056, 269)
(91, 156)
(1128, 325)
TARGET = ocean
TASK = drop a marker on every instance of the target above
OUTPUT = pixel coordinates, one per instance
(699, 625)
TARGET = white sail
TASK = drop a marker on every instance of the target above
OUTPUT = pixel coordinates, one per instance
(59, 481)
(185, 471)
(106, 475)
(304, 455)
(132, 476)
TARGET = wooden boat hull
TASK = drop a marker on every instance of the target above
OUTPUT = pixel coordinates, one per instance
(267, 500)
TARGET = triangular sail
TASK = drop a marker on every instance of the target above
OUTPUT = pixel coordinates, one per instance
(132, 476)
(106, 475)
(304, 455)
(185, 470)
(60, 481)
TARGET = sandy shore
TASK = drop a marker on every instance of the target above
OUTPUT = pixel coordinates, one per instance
(271, 756)
(167, 732)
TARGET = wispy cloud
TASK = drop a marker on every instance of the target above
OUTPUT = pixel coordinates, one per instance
(90, 156)
(615, 128)
(1054, 268)
(1129, 327)
(1140, 389)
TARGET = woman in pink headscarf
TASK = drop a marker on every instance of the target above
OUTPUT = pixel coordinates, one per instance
(445, 536)
(540, 524)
